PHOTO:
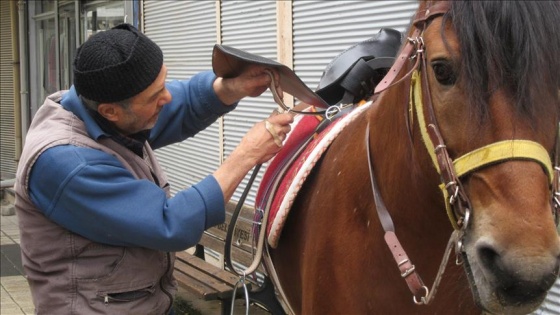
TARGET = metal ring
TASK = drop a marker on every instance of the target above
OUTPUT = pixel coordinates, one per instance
(453, 197)
(439, 147)
(423, 300)
(270, 127)
(450, 184)
(331, 112)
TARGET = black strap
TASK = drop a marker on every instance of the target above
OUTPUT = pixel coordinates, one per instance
(233, 222)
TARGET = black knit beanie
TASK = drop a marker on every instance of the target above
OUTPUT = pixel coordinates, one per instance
(116, 64)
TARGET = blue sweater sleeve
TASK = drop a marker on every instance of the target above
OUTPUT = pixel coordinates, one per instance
(194, 107)
(91, 194)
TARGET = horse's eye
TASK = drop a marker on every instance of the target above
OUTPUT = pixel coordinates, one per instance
(444, 72)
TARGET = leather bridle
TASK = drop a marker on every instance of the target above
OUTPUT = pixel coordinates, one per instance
(456, 200)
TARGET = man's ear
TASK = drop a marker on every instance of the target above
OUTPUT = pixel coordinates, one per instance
(111, 111)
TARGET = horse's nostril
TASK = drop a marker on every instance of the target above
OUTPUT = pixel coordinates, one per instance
(489, 257)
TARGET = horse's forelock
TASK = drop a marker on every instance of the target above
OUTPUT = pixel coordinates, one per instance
(510, 44)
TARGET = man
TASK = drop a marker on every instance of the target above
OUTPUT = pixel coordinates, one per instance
(98, 225)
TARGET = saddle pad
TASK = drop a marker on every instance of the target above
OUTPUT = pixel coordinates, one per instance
(302, 128)
(298, 171)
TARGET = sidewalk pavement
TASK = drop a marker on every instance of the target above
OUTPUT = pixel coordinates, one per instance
(15, 295)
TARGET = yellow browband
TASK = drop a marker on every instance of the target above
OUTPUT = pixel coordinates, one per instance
(487, 155)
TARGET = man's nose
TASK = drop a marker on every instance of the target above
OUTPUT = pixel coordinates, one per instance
(166, 99)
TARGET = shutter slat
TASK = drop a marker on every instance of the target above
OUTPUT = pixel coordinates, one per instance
(8, 164)
(186, 33)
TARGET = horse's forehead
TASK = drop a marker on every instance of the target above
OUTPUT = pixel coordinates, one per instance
(435, 42)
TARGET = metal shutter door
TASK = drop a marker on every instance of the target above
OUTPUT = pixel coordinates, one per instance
(323, 29)
(7, 87)
(186, 32)
(551, 305)
(250, 26)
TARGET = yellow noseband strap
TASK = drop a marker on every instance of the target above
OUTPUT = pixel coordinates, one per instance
(495, 153)
(503, 151)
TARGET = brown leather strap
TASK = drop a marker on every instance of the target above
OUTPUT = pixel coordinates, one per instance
(407, 269)
(382, 213)
(424, 16)
(449, 178)
(400, 61)
(420, 21)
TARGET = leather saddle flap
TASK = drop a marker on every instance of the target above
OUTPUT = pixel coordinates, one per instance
(229, 62)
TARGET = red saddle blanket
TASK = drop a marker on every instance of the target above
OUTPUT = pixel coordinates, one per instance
(288, 170)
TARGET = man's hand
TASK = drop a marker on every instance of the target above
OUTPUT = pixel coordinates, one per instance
(259, 145)
(251, 82)
(256, 147)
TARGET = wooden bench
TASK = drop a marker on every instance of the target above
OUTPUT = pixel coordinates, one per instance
(203, 273)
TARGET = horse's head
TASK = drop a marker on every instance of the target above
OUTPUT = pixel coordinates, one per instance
(493, 74)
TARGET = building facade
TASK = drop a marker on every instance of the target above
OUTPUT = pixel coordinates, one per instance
(39, 39)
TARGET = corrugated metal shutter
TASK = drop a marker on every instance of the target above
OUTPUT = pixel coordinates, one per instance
(7, 118)
(551, 305)
(323, 29)
(250, 26)
(186, 32)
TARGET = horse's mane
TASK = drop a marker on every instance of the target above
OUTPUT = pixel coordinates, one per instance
(512, 45)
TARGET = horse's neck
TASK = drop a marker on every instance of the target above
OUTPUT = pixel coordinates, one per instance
(400, 161)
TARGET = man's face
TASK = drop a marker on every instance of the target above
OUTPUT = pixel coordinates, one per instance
(143, 111)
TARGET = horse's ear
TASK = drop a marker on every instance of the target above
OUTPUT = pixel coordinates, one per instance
(424, 4)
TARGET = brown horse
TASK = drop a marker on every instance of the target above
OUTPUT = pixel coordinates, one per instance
(488, 78)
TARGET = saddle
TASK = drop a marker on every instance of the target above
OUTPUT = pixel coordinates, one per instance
(348, 78)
